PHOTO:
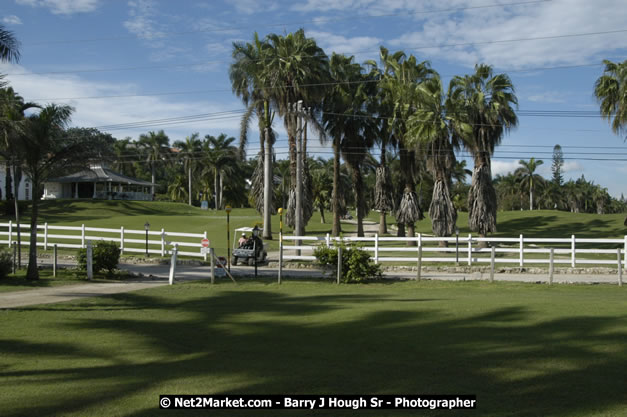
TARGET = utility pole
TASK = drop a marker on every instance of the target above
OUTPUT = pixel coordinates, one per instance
(267, 188)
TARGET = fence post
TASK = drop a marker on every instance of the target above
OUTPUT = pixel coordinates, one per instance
(376, 248)
(83, 236)
(54, 262)
(522, 260)
(339, 263)
(620, 269)
(551, 266)
(328, 240)
(213, 266)
(173, 264)
(90, 265)
(205, 236)
(14, 257)
(492, 256)
(572, 250)
(46, 236)
(469, 249)
(11, 234)
(419, 273)
(281, 255)
(163, 242)
(625, 252)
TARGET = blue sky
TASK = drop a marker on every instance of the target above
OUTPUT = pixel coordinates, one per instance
(119, 61)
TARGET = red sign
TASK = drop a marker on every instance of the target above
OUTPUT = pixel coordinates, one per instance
(205, 243)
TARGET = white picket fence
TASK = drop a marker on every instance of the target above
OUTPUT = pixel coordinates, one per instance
(466, 250)
(47, 237)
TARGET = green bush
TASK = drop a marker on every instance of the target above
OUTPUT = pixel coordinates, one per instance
(6, 264)
(106, 256)
(356, 263)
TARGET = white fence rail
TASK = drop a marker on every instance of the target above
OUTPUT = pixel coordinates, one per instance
(164, 243)
(466, 249)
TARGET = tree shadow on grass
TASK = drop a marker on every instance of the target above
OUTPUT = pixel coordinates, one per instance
(261, 342)
(545, 226)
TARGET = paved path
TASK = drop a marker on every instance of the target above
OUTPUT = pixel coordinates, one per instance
(157, 275)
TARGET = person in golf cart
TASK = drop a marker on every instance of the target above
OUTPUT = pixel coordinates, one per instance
(242, 240)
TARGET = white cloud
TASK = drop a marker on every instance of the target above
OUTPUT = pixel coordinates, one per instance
(503, 168)
(110, 111)
(142, 21)
(572, 166)
(484, 26)
(548, 97)
(63, 6)
(12, 20)
(253, 6)
(360, 46)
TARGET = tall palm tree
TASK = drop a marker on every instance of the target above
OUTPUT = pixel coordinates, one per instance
(398, 77)
(489, 104)
(189, 152)
(247, 74)
(527, 176)
(435, 130)
(611, 92)
(156, 147)
(219, 156)
(9, 46)
(292, 64)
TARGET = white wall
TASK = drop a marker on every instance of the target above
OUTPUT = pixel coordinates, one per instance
(25, 187)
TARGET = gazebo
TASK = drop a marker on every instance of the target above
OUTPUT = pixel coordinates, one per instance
(98, 182)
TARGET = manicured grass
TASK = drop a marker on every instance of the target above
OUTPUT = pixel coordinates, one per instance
(18, 282)
(524, 350)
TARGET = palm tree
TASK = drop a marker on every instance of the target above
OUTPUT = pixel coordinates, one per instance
(527, 176)
(488, 103)
(611, 92)
(176, 188)
(156, 148)
(247, 74)
(435, 130)
(9, 46)
(219, 156)
(189, 150)
(292, 64)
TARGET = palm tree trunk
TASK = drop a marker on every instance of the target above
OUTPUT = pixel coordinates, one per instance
(336, 229)
(152, 171)
(7, 189)
(189, 184)
(17, 176)
(267, 189)
(221, 175)
(383, 227)
(359, 196)
(32, 273)
(215, 187)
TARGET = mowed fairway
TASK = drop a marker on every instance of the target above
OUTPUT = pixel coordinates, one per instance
(524, 350)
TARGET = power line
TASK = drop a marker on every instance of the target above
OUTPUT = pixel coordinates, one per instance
(227, 29)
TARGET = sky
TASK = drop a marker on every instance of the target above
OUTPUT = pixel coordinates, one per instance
(165, 63)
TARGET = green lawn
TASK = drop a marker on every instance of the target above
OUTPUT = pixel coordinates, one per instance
(18, 282)
(524, 350)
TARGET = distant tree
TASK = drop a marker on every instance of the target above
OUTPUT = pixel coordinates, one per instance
(611, 92)
(156, 147)
(219, 158)
(558, 164)
(528, 177)
(189, 153)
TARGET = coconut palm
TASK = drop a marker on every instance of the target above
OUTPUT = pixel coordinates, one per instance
(219, 158)
(611, 92)
(488, 103)
(9, 46)
(292, 63)
(189, 151)
(527, 176)
(435, 130)
(155, 146)
(125, 153)
(247, 74)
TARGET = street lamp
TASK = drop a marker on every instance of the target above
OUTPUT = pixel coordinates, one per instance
(228, 238)
(457, 245)
(147, 227)
(255, 238)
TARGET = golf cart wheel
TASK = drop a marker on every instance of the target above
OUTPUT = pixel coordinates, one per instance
(251, 261)
(234, 260)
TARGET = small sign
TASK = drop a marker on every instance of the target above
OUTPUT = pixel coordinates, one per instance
(205, 243)
(204, 205)
(204, 250)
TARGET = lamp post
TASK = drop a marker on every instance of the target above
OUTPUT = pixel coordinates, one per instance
(147, 227)
(228, 238)
(457, 245)
(255, 237)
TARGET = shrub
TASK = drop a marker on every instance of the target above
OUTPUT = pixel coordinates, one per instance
(106, 256)
(6, 264)
(356, 263)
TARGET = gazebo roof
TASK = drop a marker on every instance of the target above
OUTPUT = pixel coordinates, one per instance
(100, 174)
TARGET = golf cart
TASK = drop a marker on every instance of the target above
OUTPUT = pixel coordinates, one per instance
(253, 247)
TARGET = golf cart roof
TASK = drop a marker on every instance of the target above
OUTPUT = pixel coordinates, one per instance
(247, 229)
